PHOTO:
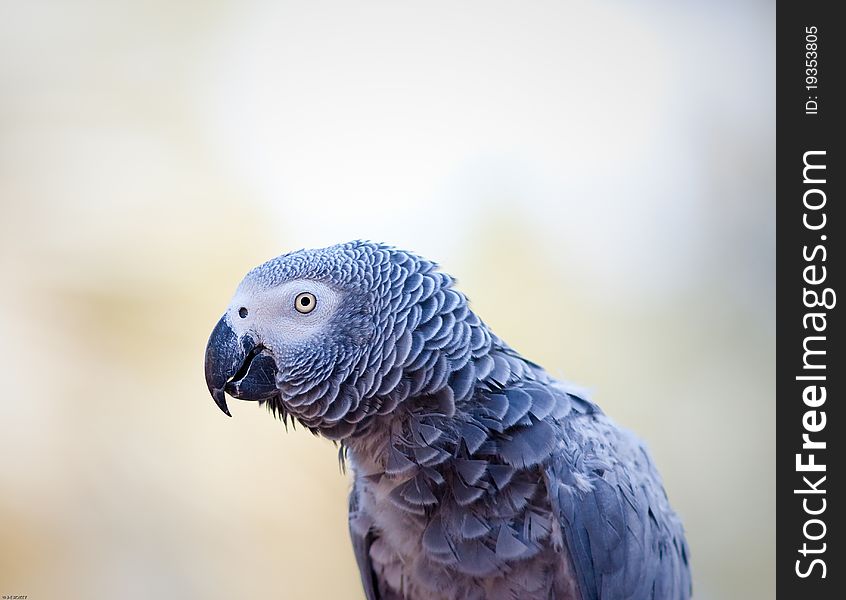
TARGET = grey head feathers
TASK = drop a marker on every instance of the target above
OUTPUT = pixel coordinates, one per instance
(400, 330)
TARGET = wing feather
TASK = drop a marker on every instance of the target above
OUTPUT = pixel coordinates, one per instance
(623, 539)
(362, 539)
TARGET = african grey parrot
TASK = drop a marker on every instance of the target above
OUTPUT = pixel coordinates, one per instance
(476, 473)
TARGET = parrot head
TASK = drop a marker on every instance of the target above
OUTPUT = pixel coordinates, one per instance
(325, 335)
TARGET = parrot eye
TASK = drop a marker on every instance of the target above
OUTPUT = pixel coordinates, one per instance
(243, 312)
(305, 302)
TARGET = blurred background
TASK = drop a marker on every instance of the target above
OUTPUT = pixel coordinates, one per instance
(613, 160)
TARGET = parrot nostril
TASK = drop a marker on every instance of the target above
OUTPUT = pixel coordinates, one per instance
(243, 312)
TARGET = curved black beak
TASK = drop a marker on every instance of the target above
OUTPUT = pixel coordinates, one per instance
(238, 367)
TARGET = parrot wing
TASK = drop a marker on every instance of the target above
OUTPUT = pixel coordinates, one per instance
(362, 538)
(623, 539)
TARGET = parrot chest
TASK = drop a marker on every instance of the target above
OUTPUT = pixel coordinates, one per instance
(407, 565)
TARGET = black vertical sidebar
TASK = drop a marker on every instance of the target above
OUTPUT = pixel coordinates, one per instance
(810, 68)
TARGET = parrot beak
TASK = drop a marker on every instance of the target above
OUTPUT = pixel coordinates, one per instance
(238, 367)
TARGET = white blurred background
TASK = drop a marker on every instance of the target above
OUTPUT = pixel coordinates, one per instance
(613, 161)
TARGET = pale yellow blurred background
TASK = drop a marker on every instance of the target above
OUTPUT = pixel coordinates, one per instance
(598, 175)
